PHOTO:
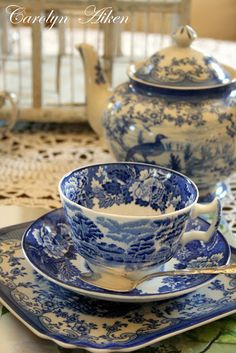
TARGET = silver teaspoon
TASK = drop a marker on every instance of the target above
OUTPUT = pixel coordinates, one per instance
(123, 283)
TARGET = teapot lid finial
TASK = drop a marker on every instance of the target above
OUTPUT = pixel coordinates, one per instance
(184, 36)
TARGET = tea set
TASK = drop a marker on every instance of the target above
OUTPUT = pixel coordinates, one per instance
(120, 222)
(132, 231)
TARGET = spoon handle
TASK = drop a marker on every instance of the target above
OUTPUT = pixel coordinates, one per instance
(227, 269)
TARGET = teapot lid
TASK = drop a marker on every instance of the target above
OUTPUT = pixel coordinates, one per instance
(180, 66)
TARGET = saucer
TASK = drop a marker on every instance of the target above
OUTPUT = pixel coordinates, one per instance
(48, 247)
(75, 321)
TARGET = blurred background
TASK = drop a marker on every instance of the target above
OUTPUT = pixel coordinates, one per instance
(42, 67)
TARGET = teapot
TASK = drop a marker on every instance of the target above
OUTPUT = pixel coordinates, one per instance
(178, 110)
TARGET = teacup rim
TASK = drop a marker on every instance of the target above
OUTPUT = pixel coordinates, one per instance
(110, 215)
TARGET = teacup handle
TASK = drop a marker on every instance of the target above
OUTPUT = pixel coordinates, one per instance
(214, 208)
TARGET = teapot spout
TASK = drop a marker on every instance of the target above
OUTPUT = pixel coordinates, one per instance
(97, 88)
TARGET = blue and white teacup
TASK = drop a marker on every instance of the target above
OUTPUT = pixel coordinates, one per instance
(128, 217)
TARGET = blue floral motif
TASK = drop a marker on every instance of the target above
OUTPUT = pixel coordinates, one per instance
(186, 71)
(78, 321)
(46, 237)
(76, 188)
(120, 183)
(54, 241)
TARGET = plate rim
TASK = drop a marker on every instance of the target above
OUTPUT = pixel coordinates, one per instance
(131, 348)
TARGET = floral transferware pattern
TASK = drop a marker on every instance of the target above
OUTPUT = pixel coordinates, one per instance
(77, 321)
(58, 259)
(99, 236)
(118, 184)
(159, 129)
(185, 71)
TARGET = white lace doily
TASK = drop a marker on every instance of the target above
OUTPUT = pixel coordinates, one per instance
(35, 156)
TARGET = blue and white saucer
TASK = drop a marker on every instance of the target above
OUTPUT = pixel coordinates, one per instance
(48, 247)
(75, 321)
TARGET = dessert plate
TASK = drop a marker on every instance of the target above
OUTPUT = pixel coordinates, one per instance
(72, 320)
(48, 247)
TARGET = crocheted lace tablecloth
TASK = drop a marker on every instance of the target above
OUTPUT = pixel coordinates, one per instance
(34, 156)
